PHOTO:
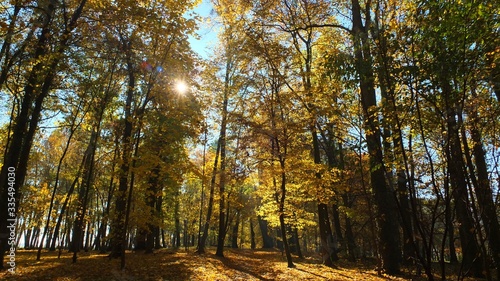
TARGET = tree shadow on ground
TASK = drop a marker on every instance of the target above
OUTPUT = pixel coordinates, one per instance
(250, 266)
(312, 273)
(95, 267)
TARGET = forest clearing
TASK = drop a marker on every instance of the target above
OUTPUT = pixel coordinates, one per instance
(274, 139)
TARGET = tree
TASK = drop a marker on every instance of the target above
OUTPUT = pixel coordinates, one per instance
(37, 86)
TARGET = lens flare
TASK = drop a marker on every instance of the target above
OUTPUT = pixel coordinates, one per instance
(181, 87)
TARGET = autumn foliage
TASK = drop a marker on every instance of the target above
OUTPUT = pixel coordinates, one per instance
(314, 140)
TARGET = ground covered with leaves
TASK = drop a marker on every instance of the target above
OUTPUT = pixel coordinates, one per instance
(181, 265)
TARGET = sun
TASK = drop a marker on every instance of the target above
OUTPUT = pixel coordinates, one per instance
(181, 87)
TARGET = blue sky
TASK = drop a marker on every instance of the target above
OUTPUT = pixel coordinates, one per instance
(207, 30)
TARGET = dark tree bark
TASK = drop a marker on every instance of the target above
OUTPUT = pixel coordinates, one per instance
(472, 262)
(451, 245)
(87, 176)
(222, 180)
(384, 197)
(296, 242)
(151, 201)
(55, 236)
(234, 234)
(111, 188)
(118, 231)
(337, 226)
(159, 237)
(5, 54)
(285, 241)
(38, 85)
(185, 235)
(349, 234)
(252, 235)
(281, 211)
(328, 248)
(177, 222)
(484, 192)
(267, 240)
(140, 240)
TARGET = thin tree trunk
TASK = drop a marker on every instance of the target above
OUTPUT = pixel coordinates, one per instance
(7, 42)
(202, 241)
(203, 174)
(66, 202)
(177, 222)
(118, 231)
(349, 235)
(56, 182)
(234, 234)
(282, 214)
(337, 226)
(222, 180)
(252, 235)
(185, 235)
(88, 172)
(159, 240)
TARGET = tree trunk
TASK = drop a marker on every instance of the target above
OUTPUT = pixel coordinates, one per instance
(202, 241)
(140, 240)
(451, 243)
(282, 209)
(337, 227)
(8, 62)
(484, 193)
(234, 234)
(159, 241)
(87, 175)
(111, 188)
(285, 241)
(297, 243)
(222, 179)
(387, 216)
(27, 239)
(177, 221)
(118, 231)
(88, 234)
(151, 200)
(267, 240)
(349, 235)
(185, 235)
(252, 235)
(328, 246)
(472, 263)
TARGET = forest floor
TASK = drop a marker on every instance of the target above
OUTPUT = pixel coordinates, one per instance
(179, 265)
